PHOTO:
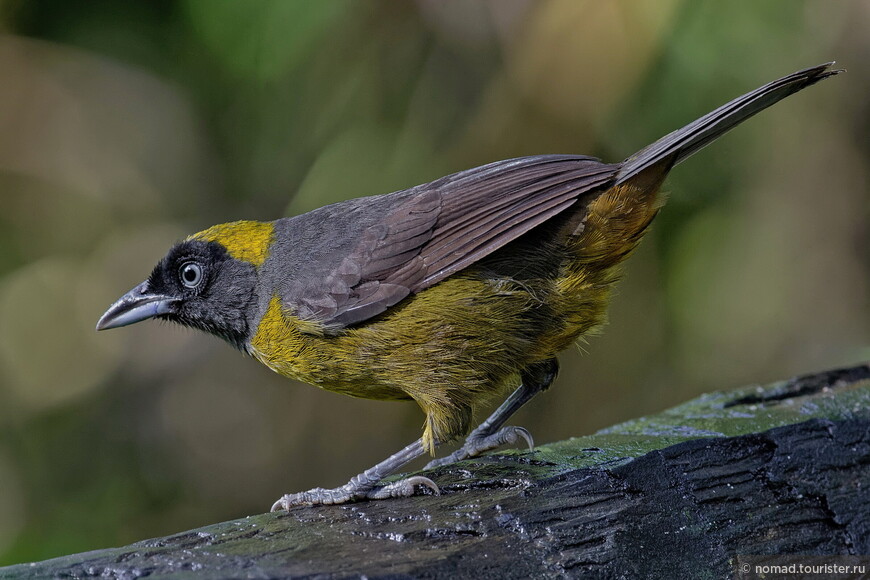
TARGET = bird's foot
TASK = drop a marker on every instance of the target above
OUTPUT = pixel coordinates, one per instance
(351, 492)
(475, 445)
(403, 488)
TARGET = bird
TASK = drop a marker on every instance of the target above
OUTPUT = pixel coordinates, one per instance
(452, 294)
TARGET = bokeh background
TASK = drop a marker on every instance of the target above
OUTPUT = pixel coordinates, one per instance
(125, 126)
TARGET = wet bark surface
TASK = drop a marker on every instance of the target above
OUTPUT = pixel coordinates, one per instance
(782, 469)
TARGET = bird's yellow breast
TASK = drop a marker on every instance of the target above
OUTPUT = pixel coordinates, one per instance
(299, 349)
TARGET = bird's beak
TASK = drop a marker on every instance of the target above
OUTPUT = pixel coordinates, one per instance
(136, 305)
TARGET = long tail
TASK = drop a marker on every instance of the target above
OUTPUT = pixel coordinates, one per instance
(677, 146)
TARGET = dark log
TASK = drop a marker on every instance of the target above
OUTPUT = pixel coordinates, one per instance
(783, 469)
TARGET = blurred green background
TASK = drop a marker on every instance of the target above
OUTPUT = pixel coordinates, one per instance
(125, 126)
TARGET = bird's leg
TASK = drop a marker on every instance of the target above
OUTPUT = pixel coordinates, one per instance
(490, 434)
(363, 486)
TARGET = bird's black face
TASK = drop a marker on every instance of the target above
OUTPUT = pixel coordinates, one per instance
(197, 284)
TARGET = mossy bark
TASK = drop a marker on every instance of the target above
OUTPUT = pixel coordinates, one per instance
(782, 469)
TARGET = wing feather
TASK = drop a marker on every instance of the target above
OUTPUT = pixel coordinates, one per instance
(437, 229)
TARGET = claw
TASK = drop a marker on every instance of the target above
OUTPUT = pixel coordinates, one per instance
(403, 488)
(524, 433)
(280, 505)
(290, 500)
(430, 484)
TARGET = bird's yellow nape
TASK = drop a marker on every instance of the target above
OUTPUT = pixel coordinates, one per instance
(245, 240)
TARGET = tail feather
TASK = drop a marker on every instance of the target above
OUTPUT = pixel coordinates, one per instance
(677, 146)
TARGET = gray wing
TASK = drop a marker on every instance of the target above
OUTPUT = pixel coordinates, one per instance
(407, 241)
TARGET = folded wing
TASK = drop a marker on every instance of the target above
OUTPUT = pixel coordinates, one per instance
(444, 226)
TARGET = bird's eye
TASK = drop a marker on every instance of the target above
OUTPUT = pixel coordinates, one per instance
(190, 274)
